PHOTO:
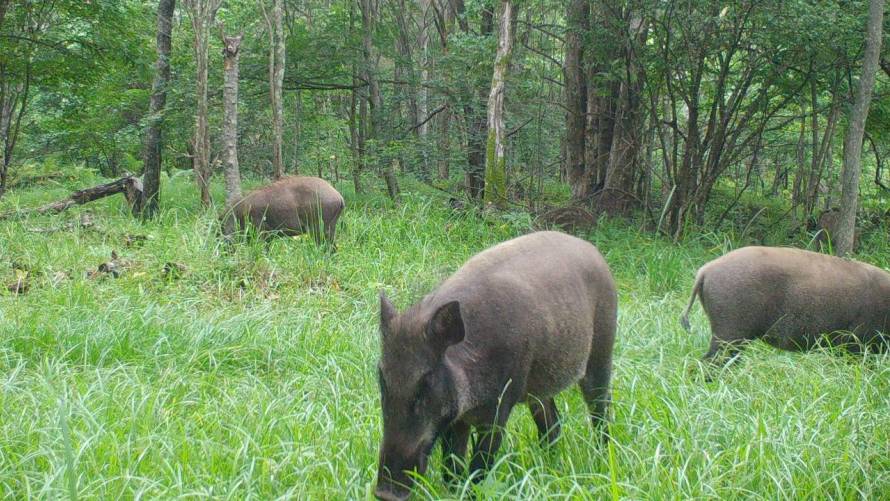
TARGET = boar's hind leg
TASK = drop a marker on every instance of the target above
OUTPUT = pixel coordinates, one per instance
(730, 332)
(595, 389)
(330, 232)
(454, 450)
(595, 383)
(723, 352)
(546, 418)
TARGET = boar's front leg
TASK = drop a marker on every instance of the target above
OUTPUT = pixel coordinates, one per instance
(488, 441)
(489, 437)
(454, 450)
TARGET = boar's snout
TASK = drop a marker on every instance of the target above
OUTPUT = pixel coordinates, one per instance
(393, 481)
(390, 492)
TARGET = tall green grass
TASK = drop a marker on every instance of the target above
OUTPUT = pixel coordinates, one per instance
(252, 375)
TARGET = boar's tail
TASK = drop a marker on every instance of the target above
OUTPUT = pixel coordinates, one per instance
(696, 292)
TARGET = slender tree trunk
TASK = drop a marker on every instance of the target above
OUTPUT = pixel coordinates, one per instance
(856, 130)
(202, 134)
(578, 20)
(298, 130)
(423, 104)
(7, 103)
(3, 6)
(375, 125)
(355, 136)
(202, 13)
(822, 158)
(408, 93)
(278, 112)
(605, 132)
(356, 117)
(474, 107)
(230, 129)
(444, 156)
(800, 173)
(476, 133)
(151, 176)
(13, 103)
(276, 82)
(495, 153)
(362, 142)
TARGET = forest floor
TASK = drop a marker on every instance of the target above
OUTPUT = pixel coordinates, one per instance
(250, 372)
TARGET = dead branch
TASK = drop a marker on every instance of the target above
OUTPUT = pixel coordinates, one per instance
(129, 185)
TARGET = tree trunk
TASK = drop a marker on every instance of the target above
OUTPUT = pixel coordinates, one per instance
(444, 15)
(474, 107)
(12, 96)
(375, 102)
(278, 111)
(407, 88)
(423, 97)
(476, 135)
(624, 154)
(578, 20)
(822, 159)
(495, 153)
(856, 130)
(3, 5)
(151, 173)
(444, 156)
(7, 102)
(230, 129)
(298, 130)
(276, 82)
(800, 171)
(356, 117)
(202, 13)
(355, 136)
(202, 134)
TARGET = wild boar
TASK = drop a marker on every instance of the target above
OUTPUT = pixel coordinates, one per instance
(519, 322)
(291, 206)
(792, 299)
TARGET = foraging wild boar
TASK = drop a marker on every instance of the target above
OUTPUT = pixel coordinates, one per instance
(519, 322)
(291, 206)
(791, 299)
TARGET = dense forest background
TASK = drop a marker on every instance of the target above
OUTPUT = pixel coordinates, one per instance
(678, 113)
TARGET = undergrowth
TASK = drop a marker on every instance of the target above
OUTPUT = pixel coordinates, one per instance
(249, 373)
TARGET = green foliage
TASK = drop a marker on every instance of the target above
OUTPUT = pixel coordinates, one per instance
(87, 74)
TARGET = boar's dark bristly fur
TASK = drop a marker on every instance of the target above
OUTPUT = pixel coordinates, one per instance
(792, 299)
(292, 206)
(517, 323)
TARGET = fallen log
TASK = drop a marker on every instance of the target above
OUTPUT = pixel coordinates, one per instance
(129, 185)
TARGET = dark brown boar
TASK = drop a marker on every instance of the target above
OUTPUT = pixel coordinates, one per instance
(292, 206)
(792, 299)
(518, 322)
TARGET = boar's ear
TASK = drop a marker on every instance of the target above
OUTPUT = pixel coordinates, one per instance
(387, 310)
(446, 327)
